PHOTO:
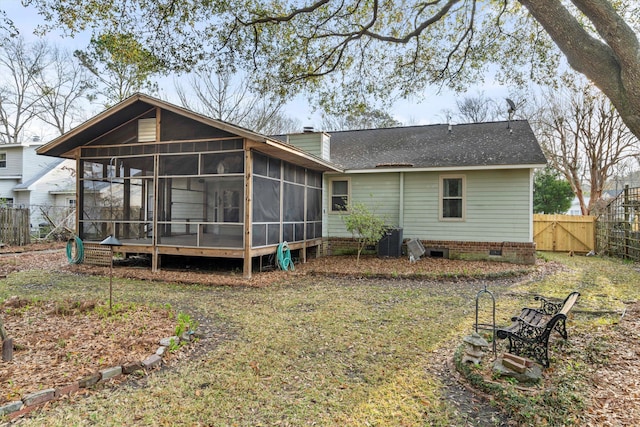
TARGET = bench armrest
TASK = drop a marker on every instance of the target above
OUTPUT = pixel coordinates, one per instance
(548, 305)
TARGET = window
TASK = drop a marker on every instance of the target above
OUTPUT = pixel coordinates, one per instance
(3, 160)
(452, 200)
(339, 195)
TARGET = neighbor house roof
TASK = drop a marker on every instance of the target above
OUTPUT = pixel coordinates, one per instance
(45, 170)
(464, 146)
(139, 104)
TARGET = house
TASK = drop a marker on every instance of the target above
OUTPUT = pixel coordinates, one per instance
(167, 181)
(45, 185)
(465, 191)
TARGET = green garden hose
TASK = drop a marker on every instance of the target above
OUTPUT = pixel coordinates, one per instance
(79, 256)
(284, 257)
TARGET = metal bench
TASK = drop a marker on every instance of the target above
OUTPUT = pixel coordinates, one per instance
(530, 331)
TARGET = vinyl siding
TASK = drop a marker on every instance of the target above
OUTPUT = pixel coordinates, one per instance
(380, 192)
(14, 161)
(498, 205)
(316, 143)
(33, 164)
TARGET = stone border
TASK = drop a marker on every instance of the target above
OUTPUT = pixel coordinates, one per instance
(35, 400)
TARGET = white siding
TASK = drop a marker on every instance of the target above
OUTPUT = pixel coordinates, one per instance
(14, 161)
(33, 164)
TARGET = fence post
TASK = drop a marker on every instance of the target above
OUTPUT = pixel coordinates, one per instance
(627, 223)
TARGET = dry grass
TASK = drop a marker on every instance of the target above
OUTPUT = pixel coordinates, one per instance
(340, 350)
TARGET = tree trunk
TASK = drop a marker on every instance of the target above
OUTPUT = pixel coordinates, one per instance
(7, 344)
(3, 333)
(612, 63)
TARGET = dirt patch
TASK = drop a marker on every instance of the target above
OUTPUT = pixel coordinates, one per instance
(337, 266)
(615, 390)
(57, 343)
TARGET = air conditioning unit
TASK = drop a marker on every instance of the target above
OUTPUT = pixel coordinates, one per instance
(390, 245)
(415, 249)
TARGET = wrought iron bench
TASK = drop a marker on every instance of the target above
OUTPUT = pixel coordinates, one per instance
(530, 331)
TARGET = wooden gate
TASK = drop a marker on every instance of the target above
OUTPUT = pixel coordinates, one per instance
(564, 233)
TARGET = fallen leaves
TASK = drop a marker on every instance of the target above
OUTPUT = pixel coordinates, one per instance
(60, 342)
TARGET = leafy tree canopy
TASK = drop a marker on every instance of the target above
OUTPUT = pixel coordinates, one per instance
(551, 193)
(121, 64)
(358, 52)
(354, 120)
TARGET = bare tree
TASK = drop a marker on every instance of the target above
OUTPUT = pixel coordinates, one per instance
(477, 109)
(224, 96)
(584, 138)
(20, 66)
(63, 84)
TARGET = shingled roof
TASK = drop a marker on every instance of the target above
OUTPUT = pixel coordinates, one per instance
(490, 144)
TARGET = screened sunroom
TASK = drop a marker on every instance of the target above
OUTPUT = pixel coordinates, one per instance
(165, 181)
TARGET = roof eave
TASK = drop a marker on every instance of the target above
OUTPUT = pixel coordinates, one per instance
(445, 168)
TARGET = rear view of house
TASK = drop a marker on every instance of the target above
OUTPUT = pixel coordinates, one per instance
(167, 181)
(464, 190)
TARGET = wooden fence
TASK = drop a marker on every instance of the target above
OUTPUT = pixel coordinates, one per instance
(564, 233)
(14, 226)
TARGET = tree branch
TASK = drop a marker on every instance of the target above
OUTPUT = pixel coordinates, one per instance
(613, 29)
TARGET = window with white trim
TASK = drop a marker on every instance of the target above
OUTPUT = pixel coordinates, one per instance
(3, 160)
(452, 198)
(339, 195)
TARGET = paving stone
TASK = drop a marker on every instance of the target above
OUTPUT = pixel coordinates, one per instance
(90, 380)
(39, 397)
(25, 410)
(166, 342)
(520, 360)
(514, 366)
(10, 407)
(151, 361)
(530, 375)
(161, 350)
(109, 373)
(67, 389)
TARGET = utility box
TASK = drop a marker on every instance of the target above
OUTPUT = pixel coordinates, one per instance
(390, 245)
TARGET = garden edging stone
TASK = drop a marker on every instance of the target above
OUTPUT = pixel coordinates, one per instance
(35, 400)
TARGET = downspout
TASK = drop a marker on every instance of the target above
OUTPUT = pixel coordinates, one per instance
(531, 179)
(401, 202)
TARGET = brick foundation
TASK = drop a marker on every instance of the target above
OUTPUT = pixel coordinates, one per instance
(515, 252)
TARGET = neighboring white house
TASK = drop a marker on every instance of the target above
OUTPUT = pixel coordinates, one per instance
(44, 185)
(575, 206)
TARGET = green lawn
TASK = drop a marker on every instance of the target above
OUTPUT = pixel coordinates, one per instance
(317, 351)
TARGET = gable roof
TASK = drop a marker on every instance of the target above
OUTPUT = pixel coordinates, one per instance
(45, 170)
(138, 104)
(467, 146)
